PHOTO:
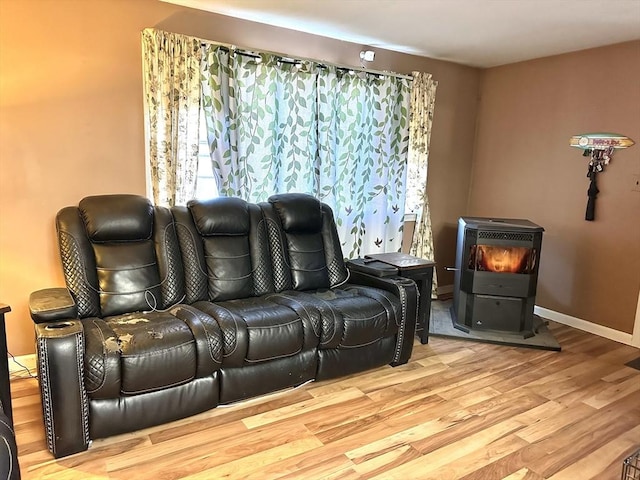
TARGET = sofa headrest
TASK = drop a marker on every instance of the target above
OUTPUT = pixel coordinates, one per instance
(220, 216)
(299, 213)
(117, 218)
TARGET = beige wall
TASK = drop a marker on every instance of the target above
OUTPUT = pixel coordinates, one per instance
(524, 167)
(71, 121)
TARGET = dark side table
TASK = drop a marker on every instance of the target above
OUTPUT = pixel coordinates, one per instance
(5, 386)
(417, 269)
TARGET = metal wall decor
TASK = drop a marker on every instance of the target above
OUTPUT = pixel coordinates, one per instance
(599, 147)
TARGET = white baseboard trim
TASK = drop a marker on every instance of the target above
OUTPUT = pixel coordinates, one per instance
(584, 325)
(636, 325)
(18, 371)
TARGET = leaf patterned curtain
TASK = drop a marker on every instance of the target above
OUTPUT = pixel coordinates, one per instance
(172, 86)
(363, 138)
(423, 97)
(260, 115)
(276, 126)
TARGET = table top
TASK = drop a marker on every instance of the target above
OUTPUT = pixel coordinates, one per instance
(372, 267)
(403, 261)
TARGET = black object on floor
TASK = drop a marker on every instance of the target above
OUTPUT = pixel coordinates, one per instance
(634, 363)
(442, 326)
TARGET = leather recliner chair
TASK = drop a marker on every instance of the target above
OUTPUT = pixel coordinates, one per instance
(169, 313)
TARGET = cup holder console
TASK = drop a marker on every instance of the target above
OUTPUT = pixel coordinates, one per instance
(58, 326)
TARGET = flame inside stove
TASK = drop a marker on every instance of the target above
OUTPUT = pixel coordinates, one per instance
(502, 259)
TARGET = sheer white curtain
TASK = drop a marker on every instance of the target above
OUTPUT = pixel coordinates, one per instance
(172, 86)
(423, 97)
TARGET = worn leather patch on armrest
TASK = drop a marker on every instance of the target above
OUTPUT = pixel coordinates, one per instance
(52, 304)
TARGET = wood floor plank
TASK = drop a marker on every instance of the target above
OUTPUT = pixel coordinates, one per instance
(523, 474)
(482, 416)
(384, 422)
(381, 464)
(513, 464)
(251, 466)
(621, 374)
(457, 410)
(621, 354)
(197, 456)
(301, 408)
(568, 381)
(308, 465)
(548, 426)
(576, 395)
(598, 464)
(481, 457)
(408, 436)
(450, 453)
(494, 380)
(615, 392)
(575, 441)
(226, 414)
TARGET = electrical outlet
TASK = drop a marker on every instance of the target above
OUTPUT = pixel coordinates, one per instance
(635, 183)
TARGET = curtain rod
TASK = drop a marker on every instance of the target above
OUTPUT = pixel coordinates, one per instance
(303, 59)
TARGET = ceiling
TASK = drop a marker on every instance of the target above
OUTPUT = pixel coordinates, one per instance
(479, 33)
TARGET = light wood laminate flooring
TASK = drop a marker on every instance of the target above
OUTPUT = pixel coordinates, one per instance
(457, 410)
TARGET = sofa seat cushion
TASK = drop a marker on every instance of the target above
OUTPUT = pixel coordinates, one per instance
(137, 353)
(256, 330)
(351, 316)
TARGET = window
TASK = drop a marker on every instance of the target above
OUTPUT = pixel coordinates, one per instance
(206, 184)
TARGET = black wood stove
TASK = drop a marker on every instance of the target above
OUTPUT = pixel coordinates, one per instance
(496, 274)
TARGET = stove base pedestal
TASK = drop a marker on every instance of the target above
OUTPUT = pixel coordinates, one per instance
(494, 313)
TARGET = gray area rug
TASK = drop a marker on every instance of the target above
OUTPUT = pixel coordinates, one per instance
(442, 326)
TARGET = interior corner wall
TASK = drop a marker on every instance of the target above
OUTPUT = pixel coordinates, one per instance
(71, 122)
(523, 167)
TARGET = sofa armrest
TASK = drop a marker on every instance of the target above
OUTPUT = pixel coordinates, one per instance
(52, 305)
(65, 405)
(407, 291)
(372, 267)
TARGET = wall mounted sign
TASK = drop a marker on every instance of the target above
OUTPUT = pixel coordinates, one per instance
(599, 147)
(600, 141)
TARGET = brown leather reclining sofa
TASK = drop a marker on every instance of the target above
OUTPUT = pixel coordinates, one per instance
(168, 313)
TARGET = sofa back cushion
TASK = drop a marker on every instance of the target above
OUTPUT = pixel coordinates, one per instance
(119, 254)
(224, 248)
(312, 255)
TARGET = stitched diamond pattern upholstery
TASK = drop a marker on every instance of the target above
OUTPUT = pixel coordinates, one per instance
(74, 271)
(101, 359)
(336, 267)
(277, 252)
(223, 316)
(263, 280)
(307, 234)
(94, 364)
(192, 256)
(208, 336)
(168, 255)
